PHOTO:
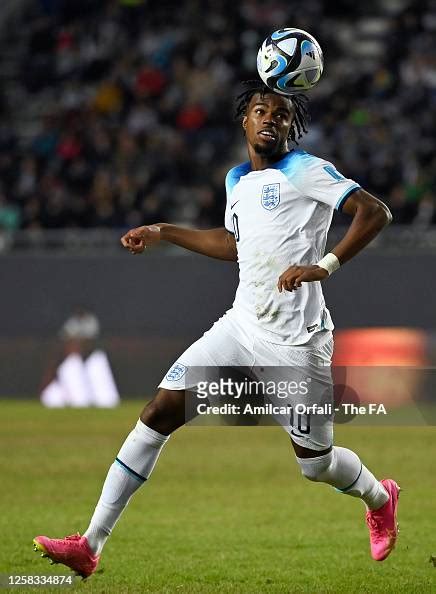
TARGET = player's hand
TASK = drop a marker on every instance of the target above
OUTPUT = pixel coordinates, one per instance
(292, 278)
(136, 240)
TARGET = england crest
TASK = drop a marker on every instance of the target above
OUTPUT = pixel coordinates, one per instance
(176, 372)
(270, 196)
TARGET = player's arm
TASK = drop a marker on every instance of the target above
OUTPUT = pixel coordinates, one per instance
(369, 214)
(215, 243)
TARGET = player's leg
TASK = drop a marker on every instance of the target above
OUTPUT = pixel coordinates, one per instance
(133, 465)
(168, 411)
(140, 451)
(343, 469)
(320, 460)
(135, 462)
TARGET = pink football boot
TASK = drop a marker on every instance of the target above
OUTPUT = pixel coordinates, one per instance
(73, 551)
(382, 523)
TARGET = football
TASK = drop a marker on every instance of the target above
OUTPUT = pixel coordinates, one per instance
(289, 61)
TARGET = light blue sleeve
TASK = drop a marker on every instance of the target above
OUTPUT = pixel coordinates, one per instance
(318, 179)
(230, 184)
(232, 178)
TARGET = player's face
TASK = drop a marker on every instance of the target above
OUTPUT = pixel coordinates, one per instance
(268, 122)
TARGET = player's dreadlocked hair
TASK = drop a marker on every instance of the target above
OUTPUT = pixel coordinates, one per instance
(299, 102)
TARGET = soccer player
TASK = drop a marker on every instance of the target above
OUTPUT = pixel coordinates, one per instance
(279, 209)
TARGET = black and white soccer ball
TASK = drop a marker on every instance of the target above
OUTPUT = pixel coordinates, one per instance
(289, 61)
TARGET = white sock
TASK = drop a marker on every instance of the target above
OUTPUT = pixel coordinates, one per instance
(132, 467)
(343, 469)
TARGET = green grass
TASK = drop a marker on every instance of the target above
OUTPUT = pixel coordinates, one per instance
(226, 510)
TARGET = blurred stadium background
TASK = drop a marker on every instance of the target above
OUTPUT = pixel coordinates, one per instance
(117, 113)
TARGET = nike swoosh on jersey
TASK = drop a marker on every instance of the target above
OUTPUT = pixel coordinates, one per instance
(232, 205)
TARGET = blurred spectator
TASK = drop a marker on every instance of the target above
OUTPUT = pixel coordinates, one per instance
(9, 215)
(129, 119)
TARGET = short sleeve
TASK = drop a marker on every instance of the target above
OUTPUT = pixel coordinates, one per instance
(228, 219)
(227, 215)
(232, 178)
(320, 180)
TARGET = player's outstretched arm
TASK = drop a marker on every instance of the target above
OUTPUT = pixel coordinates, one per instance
(369, 214)
(216, 243)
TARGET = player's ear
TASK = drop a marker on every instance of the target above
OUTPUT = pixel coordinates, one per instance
(244, 122)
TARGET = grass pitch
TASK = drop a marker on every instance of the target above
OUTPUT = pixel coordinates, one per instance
(226, 510)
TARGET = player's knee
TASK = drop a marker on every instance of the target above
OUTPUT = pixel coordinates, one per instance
(165, 413)
(151, 414)
(156, 416)
(315, 469)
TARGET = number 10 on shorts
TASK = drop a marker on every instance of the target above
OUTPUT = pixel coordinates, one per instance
(300, 422)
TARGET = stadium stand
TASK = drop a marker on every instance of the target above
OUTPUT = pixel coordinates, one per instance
(119, 113)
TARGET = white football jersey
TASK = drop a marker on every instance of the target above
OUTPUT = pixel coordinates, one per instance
(280, 216)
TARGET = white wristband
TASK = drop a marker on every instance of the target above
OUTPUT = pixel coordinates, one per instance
(330, 263)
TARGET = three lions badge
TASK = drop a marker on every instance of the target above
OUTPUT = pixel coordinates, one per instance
(176, 372)
(270, 196)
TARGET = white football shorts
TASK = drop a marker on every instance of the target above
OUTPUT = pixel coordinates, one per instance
(301, 374)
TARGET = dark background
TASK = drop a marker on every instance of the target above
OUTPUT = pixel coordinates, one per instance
(153, 306)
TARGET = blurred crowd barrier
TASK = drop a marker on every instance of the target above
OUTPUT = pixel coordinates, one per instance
(89, 242)
(150, 308)
(371, 367)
